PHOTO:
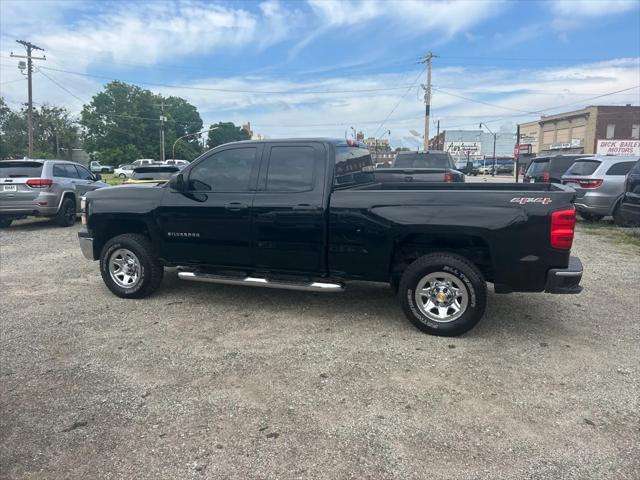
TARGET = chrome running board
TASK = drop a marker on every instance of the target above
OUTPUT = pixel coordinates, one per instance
(261, 282)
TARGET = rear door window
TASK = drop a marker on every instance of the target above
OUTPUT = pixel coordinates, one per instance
(620, 168)
(583, 167)
(538, 167)
(84, 173)
(560, 165)
(291, 169)
(16, 169)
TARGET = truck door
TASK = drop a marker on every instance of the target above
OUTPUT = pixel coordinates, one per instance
(289, 223)
(210, 222)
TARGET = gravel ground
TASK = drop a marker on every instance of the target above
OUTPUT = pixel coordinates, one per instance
(205, 381)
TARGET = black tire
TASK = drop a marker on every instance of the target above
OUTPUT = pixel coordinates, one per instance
(66, 215)
(123, 176)
(590, 217)
(5, 222)
(466, 274)
(151, 270)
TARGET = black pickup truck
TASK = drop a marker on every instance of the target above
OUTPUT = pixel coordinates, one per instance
(309, 215)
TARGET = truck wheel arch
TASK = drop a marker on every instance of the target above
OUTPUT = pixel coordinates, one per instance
(473, 248)
(108, 228)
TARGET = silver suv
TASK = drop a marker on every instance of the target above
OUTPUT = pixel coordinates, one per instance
(599, 184)
(44, 188)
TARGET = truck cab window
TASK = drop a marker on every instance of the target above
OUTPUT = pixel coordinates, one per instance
(291, 169)
(225, 171)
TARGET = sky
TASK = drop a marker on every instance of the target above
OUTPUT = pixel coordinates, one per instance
(319, 67)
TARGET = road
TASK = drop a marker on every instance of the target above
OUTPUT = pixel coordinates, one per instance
(203, 381)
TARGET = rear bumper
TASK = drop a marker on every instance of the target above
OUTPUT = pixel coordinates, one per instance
(565, 280)
(86, 245)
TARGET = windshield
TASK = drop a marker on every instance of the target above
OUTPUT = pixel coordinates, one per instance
(538, 167)
(15, 169)
(423, 160)
(583, 167)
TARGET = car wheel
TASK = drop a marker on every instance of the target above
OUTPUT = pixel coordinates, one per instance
(5, 222)
(123, 176)
(66, 215)
(129, 268)
(443, 294)
(590, 217)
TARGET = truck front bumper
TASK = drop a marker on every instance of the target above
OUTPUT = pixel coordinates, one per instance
(86, 245)
(565, 280)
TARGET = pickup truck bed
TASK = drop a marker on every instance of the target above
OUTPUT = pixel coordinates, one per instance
(324, 220)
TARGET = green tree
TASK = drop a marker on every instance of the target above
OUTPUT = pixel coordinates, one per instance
(55, 132)
(124, 121)
(225, 133)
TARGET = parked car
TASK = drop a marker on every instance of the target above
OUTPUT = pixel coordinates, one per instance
(96, 167)
(43, 188)
(144, 161)
(599, 184)
(124, 171)
(468, 167)
(504, 169)
(431, 166)
(629, 211)
(152, 174)
(310, 215)
(551, 168)
(177, 162)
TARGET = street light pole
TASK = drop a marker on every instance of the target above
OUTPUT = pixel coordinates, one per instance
(493, 170)
(173, 150)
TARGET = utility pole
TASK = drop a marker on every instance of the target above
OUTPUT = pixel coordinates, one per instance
(30, 47)
(438, 136)
(162, 120)
(427, 98)
(517, 154)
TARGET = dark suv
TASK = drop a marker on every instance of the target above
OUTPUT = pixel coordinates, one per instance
(550, 169)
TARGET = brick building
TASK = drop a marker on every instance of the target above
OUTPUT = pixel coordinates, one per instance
(580, 130)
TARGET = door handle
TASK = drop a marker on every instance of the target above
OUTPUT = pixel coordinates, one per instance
(306, 207)
(236, 206)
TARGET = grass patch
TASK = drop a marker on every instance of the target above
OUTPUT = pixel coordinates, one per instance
(626, 236)
(111, 179)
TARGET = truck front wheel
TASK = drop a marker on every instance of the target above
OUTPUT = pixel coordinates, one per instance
(128, 266)
(443, 294)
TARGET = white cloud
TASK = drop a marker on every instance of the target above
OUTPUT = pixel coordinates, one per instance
(419, 15)
(569, 14)
(144, 32)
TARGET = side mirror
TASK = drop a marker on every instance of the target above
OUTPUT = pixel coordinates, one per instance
(177, 183)
(97, 177)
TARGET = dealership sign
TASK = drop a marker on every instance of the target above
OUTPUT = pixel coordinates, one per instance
(618, 147)
(462, 148)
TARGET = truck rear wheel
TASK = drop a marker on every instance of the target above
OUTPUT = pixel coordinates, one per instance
(443, 294)
(128, 267)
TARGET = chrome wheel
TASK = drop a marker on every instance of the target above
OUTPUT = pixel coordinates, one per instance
(124, 268)
(442, 297)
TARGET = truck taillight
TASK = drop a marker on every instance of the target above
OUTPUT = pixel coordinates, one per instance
(546, 177)
(83, 210)
(563, 224)
(448, 177)
(589, 183)
(39, 182)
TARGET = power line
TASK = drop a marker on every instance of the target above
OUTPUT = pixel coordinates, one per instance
(415, 84)
(482, 102)
(230, 90)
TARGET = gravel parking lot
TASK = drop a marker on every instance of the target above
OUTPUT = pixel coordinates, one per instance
(205, 381)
